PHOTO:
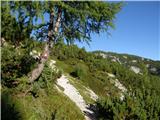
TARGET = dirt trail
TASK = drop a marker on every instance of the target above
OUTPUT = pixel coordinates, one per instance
(75, 96)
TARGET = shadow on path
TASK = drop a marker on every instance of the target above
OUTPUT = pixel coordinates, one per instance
(91, 112)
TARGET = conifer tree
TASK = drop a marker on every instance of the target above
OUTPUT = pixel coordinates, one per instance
(69, 20)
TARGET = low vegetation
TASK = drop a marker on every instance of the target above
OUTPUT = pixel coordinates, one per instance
(140, 102)
(38, 98)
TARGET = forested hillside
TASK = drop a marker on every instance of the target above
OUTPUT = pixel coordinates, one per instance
(45, 76)
(140, 101)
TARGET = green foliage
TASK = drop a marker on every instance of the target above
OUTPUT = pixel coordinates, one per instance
(84, 18)
(154, 83)
(9, 110)
(42, 101)
(100, 65)
(45, 106)
(8, 23)
(137, 105)
(15, 63)
(17, 20)
(98, 68)
(64, 52)
(140, 104)
(79, 71)
(46, 80)
(80, 18)
(92, 71)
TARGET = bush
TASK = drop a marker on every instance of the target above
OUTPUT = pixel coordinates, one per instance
(47, 78)
(15, 63)
(139, 106)
(80, 71)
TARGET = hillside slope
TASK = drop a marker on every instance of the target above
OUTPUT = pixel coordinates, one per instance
(75, 96)
(132, 61)
(128, 87)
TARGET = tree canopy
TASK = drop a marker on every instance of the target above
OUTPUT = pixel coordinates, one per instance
(75, 20)
(68, 20)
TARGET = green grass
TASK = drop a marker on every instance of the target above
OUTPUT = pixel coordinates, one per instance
(98, 82)
(65, 67)
(87, 81)
(53, 105)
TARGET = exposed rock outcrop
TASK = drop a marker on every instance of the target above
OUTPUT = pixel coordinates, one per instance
(135, 69)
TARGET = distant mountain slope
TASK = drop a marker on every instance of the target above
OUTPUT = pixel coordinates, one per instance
(132, 61)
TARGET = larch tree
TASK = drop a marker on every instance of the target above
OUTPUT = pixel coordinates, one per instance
(68, 20)
(17, 21)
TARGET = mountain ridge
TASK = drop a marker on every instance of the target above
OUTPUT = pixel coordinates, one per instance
(128, 58)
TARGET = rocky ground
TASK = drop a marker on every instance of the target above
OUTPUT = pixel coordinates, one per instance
(75, 96)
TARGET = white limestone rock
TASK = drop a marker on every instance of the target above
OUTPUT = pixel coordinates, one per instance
(121, 87)
(134, 61)
(153, 69)
(147, 65)
(135, 69)
(103, 55)
(110, 75)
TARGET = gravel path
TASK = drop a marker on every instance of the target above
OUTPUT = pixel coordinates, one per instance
(75, 96)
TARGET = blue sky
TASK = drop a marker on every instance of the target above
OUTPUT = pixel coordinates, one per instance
(137, 32)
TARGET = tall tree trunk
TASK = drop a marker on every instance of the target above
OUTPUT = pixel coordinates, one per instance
(37, 71)
(57, 24)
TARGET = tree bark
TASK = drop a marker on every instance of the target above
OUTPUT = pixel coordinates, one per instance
(44, 57)
(57, 24)
(58, 20)
(37, 71)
